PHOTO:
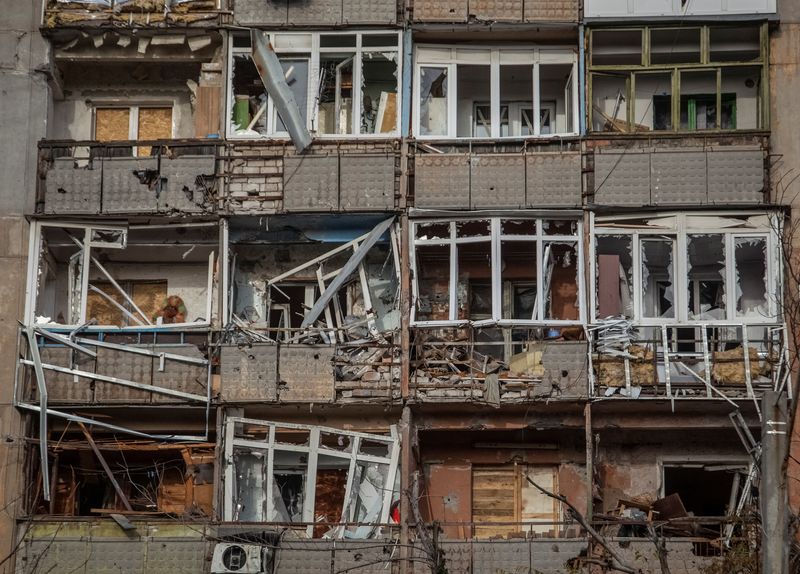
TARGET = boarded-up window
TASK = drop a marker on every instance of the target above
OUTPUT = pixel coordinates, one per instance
(502, 500)
(154, 124)
(112, 124)
(149, 123)
(149, 296)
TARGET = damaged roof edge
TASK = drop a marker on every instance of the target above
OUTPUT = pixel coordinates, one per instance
(271, 73)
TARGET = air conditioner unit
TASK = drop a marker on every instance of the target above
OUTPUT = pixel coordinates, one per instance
(237, 558)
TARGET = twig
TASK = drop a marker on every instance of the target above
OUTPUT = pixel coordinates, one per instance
(617, 563)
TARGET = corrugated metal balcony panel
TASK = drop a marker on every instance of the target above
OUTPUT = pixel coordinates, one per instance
(442, 181)
(249, 374)
(551, 10)
(123, 365)
(71, 189)
(736, 176)
(367, 182)
(311, 183)
(370, 12)
(306, 373)
(553, 180)
(253, 12)
(310, 12)
(123, 191)
(496, 10)
(679, 177)
(183, 192)
(177, 376)
(61, 387)
(497, 181)
(441, 10)
(622, 178)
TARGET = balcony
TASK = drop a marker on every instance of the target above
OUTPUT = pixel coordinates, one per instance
(316, 12)
(127, 177)
(677, 10)
(134, 13)
(516, 11)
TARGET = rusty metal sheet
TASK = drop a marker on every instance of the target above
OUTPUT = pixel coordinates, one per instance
(678, 177)
(441, 10)
(370, 11)
(122, 365)
(254, 12)
(736, 176)
(179, 376)
(553, 180)
(123, 192)
(306, 373)
(249, 373)
(311, 183)
(622, 178)
(441, 181)
(69, 189)
(497, 181)
(321, 12)
(496, 10)
(368, 182)
(184, 190)
(551, 10)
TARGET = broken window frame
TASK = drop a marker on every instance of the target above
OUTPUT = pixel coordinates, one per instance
(450, 58)
(36, 242)
(705, 64)
(314, 449)
(393, 44)
(679, 227)
(496, 239)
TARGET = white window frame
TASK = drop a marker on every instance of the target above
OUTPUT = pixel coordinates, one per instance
(394, 43)
(450, 57)
(85, 252)
(679, 227)
(496, 238)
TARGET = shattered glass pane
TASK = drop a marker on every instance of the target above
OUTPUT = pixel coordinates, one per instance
(433, 282)
(480, 228)
(475, 281)
(614, 280)
(335, 96)
(751, 277)
(379, 93)
(519, 278)
(249, 477)
(295, 71)
(433, 101)
(433, 230)
(556, 227)
(706, 277)
(658, 293)
(561, 281)
(249, 96)
(519, 227)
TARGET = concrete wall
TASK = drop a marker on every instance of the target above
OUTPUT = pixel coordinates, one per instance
(23, 118)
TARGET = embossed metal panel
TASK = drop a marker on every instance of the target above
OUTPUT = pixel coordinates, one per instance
(122, 365)
(441, 180)
(249, 373)
(553, 180)
(496, 10)
(497, 181)
(251, 12)
(311, 183)
(323, 12)
(306, 373)
(178, 376)
(458, 556)
(735, 176)
(492, 557)
(115, 556)
(61, 387)
(678, 177)
(370, 11)
(123, 192)
(565, 367)
(175, 556)
(551, 10)
(367, 182)
(53, 556)
(184, 190)
(368, 557)
(70, 189)
(622, 178)
(441, 10)
(551, 556)
(301, 557)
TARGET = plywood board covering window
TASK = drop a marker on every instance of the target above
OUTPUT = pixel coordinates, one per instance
(149, 296)
(154, 124)
(112, 124)
(133, 123)
(501, 495)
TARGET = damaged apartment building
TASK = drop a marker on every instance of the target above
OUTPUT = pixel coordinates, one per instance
(403, 286)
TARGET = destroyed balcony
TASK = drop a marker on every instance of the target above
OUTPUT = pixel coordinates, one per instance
(329, 13)
(271, 177)
(687, 170)
(480, 175)
(133, 13)
(128, 177)
(494, 11)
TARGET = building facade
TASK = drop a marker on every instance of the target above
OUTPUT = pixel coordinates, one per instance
(406, 286)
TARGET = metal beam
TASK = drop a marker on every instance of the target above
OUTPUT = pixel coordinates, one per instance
(105, 466)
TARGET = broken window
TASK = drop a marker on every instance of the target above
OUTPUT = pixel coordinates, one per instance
(711, 489)
(145, 123)
(664, 90)
(503, 495)
(493, 93)
(136, 276)
(534, 280)
(318, 478)
(692, 272)
(344, 84)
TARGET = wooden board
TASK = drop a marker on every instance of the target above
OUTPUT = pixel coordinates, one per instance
(387, 113)
(148, 295)
(154, 124)
(112, 124)
(98, 307)
(207, 111)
